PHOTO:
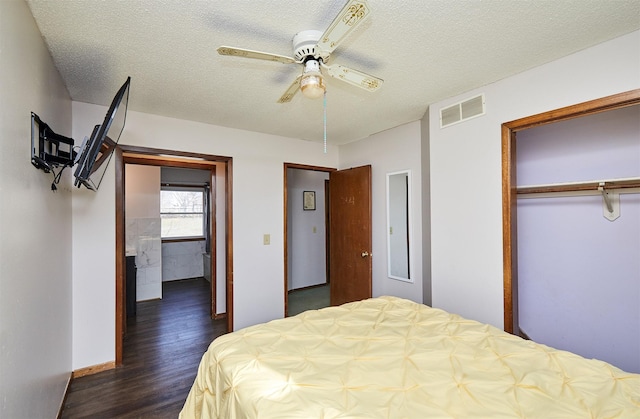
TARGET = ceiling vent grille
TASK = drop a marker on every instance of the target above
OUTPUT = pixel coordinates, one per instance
(462, 111)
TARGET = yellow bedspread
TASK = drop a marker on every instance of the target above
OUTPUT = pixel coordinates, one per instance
(392, 358)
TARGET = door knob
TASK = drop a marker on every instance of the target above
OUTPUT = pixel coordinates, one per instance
(365, 254)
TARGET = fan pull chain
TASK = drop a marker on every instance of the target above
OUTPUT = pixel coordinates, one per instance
(324, 99)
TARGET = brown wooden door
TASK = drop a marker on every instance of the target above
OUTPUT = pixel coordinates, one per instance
(350, 231)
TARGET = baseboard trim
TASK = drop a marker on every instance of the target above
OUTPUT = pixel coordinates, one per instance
(64, 396)
(94, 369)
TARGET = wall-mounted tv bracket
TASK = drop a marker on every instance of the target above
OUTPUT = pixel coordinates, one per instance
(50, 150)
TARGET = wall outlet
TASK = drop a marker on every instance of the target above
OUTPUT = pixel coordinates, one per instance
(314, 230)
(266, 239)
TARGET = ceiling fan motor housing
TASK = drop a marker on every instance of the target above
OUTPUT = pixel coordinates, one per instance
(304, 44)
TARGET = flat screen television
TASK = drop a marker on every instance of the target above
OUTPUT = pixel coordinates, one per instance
(96, 151)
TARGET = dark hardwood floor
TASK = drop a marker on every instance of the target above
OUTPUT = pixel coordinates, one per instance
(162, 350)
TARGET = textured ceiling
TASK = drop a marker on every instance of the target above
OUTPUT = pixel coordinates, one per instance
(425, 50)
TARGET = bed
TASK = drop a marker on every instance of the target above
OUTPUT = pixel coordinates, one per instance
(389, 357)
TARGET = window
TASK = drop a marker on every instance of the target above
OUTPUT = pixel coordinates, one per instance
(182, 213)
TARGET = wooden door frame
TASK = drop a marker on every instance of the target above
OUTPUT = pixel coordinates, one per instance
(509, 185)
(327, 235)
(286, 228)
(168, 158)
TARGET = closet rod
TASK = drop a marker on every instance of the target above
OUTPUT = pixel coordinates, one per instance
(580, 186)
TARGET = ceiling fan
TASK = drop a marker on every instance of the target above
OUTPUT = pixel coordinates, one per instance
(312, 49)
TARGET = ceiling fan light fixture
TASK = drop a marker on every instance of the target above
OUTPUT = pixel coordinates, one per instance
(312, 83)
(312, 86)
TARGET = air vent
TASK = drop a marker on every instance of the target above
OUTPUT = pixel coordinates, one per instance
(462, 111)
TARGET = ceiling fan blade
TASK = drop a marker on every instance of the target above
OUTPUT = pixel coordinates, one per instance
(351, 15)
(247, 53)
(291, 91)
(354, 77)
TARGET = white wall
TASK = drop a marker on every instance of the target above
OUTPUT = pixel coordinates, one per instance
(35, 227)
(307, 239)
(578, 272)
(466, 196)
(221, 233)
(391, 151)
(142, 228)
(257, 210)
(425, 197)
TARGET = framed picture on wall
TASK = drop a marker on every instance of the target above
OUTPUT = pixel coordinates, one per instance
(309, 200)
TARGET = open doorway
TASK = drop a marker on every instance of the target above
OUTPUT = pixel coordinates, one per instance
(127, 155)
(306, 193)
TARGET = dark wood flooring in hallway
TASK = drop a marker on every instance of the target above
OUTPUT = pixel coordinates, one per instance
(162, 350)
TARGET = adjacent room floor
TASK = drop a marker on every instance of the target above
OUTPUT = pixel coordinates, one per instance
(308, 299)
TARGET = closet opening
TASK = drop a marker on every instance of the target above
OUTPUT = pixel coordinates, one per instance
(512, 312)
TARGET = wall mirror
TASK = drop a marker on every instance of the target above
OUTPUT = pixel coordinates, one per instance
(398, 225)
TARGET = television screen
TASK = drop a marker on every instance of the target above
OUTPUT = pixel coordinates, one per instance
(96, 151)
